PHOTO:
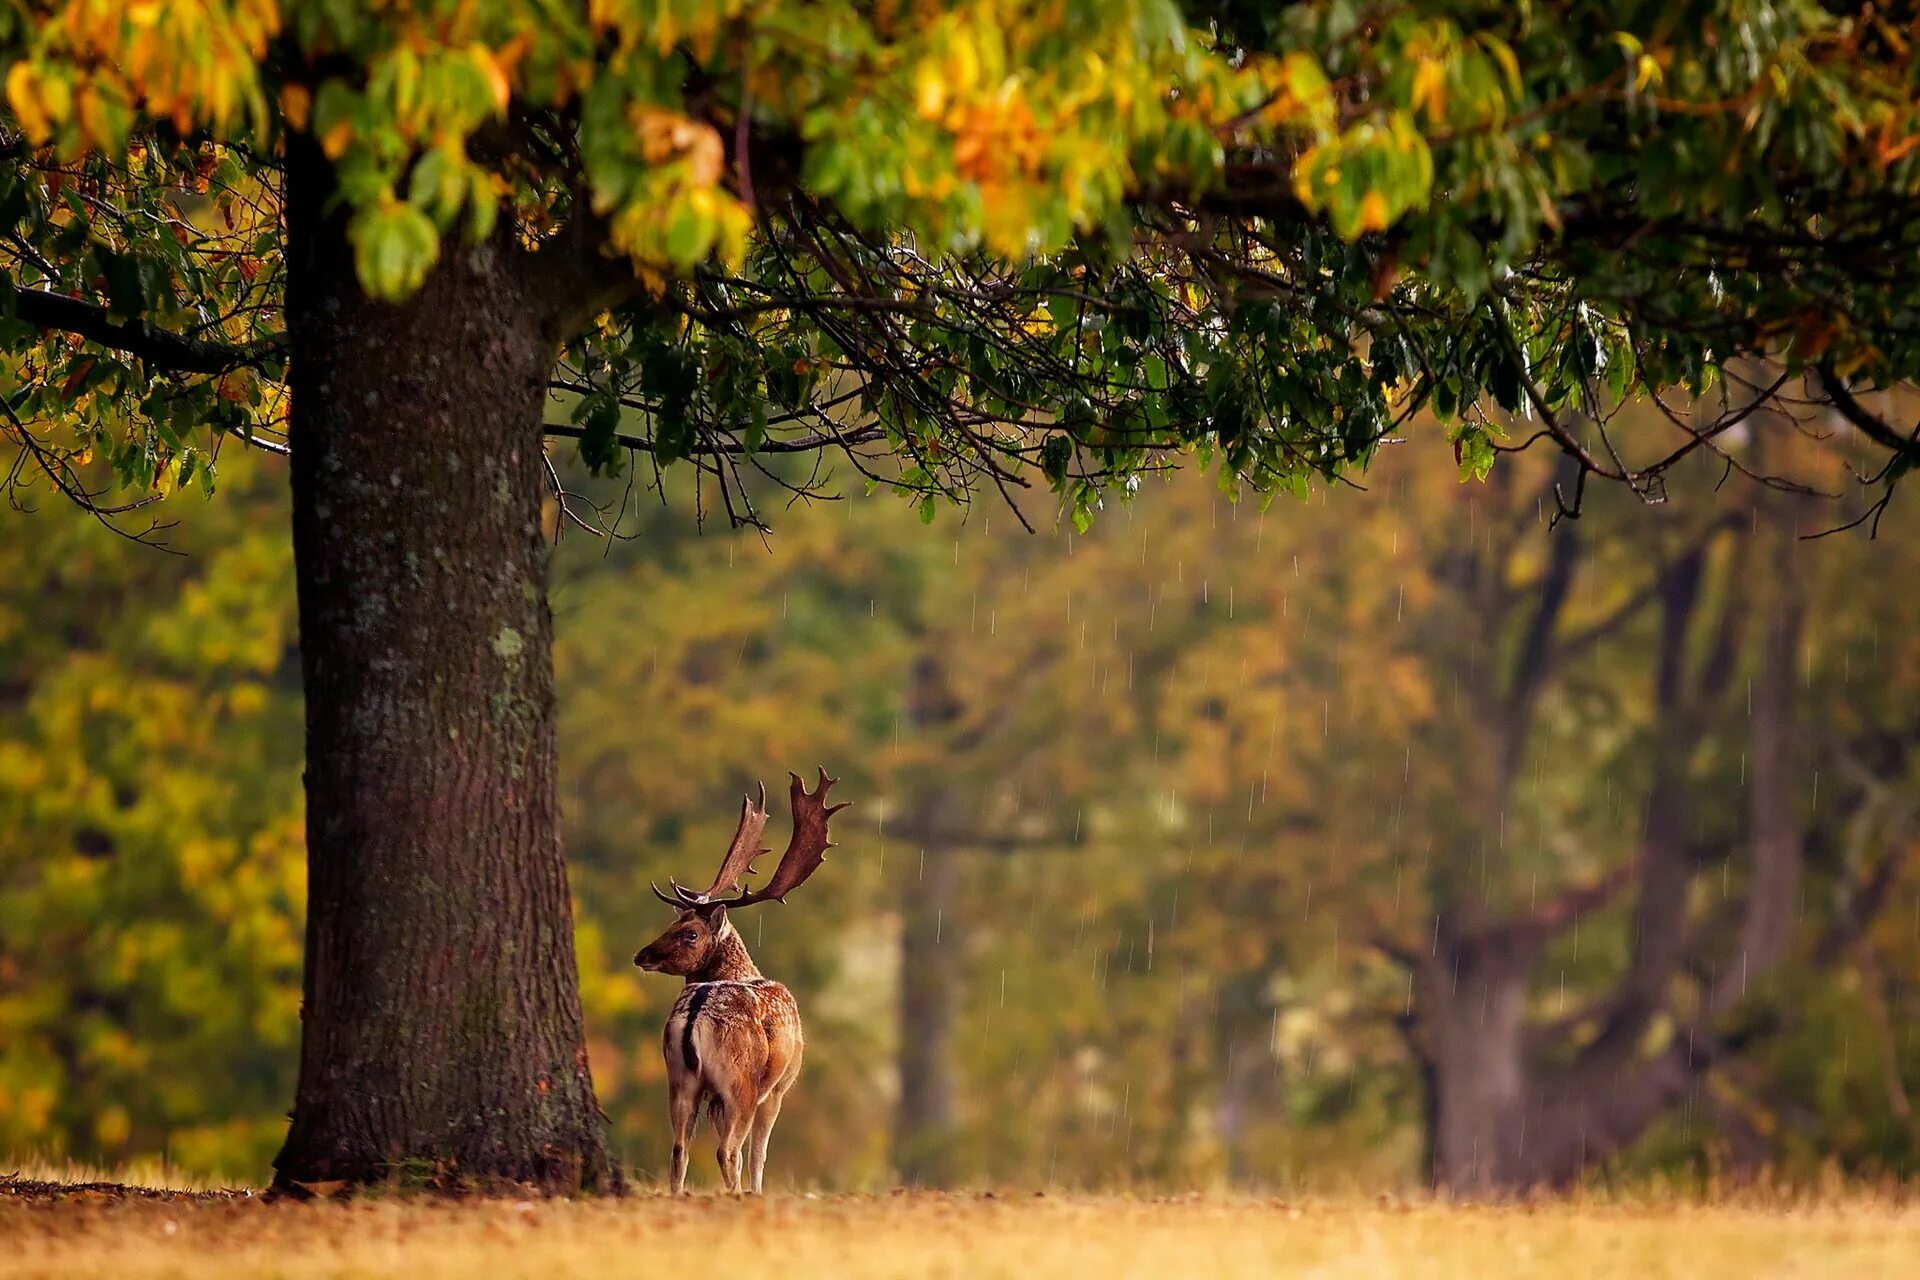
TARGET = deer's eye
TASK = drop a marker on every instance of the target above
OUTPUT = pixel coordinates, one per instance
(687, 935)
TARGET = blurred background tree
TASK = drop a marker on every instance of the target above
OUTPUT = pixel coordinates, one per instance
(1190, 849)
(152, 859)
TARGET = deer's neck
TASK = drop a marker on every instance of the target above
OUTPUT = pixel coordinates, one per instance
(729, 961)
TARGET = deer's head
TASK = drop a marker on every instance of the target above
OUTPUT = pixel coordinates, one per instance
(700, 919)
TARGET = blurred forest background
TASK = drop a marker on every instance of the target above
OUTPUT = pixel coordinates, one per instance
(1180, 845)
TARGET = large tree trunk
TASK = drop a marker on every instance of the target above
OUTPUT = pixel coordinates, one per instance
(441, 1033)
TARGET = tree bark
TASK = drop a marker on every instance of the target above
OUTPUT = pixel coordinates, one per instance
(930, 963)
(1477, 1071)
(1775, 826)
(1244, 1060)
(931, 957)
(442, 1039)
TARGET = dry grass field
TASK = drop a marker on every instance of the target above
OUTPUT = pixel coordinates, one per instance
(1848, 1235)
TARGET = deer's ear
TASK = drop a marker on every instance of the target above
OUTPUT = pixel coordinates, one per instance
(714, 914)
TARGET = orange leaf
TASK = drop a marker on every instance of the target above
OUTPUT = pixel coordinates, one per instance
(1373, 212)
(296, 104)
(235, 386)
(81, 368)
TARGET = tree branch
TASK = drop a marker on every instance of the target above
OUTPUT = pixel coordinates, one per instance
(1869, 424)
(1552, 918)
(941, 836)
(810, 443)
(1536, 647)
(178, 354)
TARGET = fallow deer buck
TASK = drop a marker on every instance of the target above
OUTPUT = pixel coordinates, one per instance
(733, 1040)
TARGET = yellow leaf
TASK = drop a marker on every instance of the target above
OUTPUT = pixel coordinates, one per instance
(1303, 177)
(929, 91)
(23, 95)
(963, 63)
(112, 1126)
(497, 83)
(94, 122)
(1430, 88)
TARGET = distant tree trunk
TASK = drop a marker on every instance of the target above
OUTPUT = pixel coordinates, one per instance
(1187, 1079)
(441, 1030)
(930, 955)
(1243, 1060)
(1775, 827)
(1478, 1071)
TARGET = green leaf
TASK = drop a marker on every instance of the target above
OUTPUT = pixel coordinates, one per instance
(599, 447)
(1056, 452)
(690, 235)
(395, 245)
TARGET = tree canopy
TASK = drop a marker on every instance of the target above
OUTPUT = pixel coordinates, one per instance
(974, 243)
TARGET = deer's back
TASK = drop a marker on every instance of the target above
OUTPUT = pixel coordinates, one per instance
(737, 1030)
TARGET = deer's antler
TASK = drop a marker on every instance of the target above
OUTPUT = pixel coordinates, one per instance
(808, 847)
(745, 848)
(805, 851)
(737, 864)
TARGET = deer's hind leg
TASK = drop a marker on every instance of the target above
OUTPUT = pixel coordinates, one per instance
(683, 1113)
(764, 1118)
(732, 1078)
(731, 1110)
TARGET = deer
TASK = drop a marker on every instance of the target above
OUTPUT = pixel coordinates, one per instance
(733, 1040)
